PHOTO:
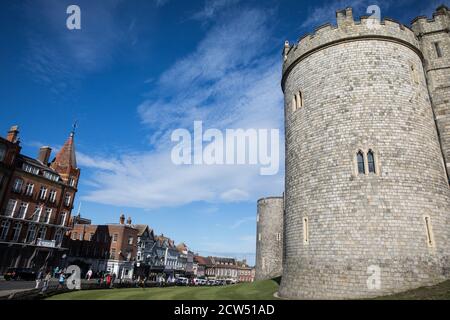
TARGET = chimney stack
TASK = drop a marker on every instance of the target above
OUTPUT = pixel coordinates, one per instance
(122, 219)
(13, 134)
(44, 155)
(129, 221)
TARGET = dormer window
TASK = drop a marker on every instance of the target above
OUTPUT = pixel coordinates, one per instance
(51, 176)
(297, 101)
(30, 169)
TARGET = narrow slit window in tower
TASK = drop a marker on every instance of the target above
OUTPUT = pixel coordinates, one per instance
(360, 160)
(305, 231)
(437, 46)
(297, 101)
(371, 161)
(429, 231)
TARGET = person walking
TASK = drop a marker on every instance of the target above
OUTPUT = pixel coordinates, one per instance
(39, 278)
(89, 275)
(47, 279)
(61, 280)
(108, 280)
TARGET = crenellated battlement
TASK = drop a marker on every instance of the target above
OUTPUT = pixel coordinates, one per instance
(347, 29)
(440, 21)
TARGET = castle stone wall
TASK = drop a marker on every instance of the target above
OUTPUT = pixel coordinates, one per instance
(362, 93)
(437, 70)
(269, 238)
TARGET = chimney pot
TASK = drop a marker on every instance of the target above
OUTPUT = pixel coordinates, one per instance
(13, 134)
(122, 219)
(129, 221)
(44, 155)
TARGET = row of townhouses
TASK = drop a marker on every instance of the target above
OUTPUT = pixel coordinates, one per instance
(37, 229)
(130, 251)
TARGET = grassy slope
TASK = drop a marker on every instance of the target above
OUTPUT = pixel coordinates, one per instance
(437, 292)
(261, 290)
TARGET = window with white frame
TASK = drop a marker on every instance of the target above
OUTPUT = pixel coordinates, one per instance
(11, 207)
(16, 231)
(115, 236)
(72, 182)
(29, 189)
(62, 218)
(4, 228)
(58, 237)
(18, 185)
(130, 240)
(52, 196)
(42, 233)
(31, 233)
(23, 208)
(43, 193)
(81, 236)
(47, 215)
(67, 199)
(37, 213)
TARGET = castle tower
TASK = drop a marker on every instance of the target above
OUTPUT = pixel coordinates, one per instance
(269, 242)
(367, 201)
(434, 36)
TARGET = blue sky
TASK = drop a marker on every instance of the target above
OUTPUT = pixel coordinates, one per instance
(139, 69)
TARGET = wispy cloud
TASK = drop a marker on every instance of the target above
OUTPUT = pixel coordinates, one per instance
(211, 8)
(242, 221)
(58, 57)
(231, 80)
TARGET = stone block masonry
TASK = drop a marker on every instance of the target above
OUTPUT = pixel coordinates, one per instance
(366, 183)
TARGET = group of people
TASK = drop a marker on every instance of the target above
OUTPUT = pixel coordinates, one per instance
(44, 277)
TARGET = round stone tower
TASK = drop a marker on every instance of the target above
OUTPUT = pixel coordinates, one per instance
(367, 200)
(269, 242)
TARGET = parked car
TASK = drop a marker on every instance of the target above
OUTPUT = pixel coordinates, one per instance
(26, 274)
(181, 281)
(211, 283)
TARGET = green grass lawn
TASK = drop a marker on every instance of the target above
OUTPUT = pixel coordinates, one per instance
(260, 290)
(438, 292)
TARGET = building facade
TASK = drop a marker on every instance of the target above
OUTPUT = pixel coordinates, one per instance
(36, 203)
(108, 248)
(269, 234)
(367, 191)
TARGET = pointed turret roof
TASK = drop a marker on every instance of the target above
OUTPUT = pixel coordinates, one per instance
(65, 160)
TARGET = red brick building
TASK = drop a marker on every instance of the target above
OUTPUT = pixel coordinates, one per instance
(36, 202)
(104, 248)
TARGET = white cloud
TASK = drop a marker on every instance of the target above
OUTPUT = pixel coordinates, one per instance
(242, 221)
(212, 7)
(231, 80)
(234, 195)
